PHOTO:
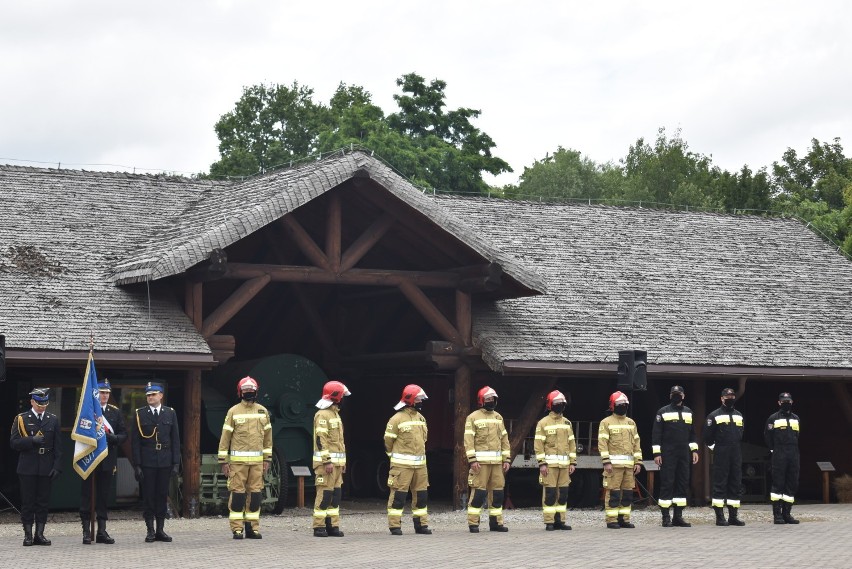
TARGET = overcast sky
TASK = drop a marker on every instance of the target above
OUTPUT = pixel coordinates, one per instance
(140, 84)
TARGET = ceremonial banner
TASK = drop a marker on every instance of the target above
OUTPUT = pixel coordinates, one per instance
(90, 444)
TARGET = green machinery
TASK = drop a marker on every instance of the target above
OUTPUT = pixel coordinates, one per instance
(289, 387)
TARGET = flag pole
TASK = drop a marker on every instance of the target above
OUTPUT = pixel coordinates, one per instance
(92, 474)
(92, 509)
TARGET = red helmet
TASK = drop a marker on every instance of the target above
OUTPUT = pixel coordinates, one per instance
(483, 393)
(410, 393)
(334, 391)
(247, 383)
(617, 397)
(555, 396)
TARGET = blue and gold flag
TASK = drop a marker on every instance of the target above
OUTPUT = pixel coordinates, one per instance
(89, 435)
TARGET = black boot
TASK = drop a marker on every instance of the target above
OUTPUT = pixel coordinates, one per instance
(396, 531)
(250, 533)
(87, 531)
(785, 513)
(102, 536)
(720, 516)
(28, 534)
(320, 532)
(667, 518)
(678, 520)
(558, 523)
(473, 529)
(733, 520)
(421, 528)
(38, 538)
(622, 523)
(150, 537)
(493, 525)
(332, 531)
(160, 535)
(777, 517)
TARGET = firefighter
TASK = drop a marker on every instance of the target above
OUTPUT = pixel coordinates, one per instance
(35, 435)
(486, 445)
(329, 460)
(116, 434)
(782, 438)
(621, 455)
(556, 454)
(156, 454)
(245, 453)
(674, 448)
(723, 435)
(405, 444)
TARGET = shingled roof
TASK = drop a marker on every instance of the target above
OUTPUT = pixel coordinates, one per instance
(690, 288)
(72, 238)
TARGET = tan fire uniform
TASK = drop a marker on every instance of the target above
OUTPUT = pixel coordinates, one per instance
(555, 446)
(329, 448)
(245, 444)
(618, 441)
(486, 442)
(405, 444)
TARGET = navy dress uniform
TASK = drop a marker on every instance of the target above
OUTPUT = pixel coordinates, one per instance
(782, 437)
(723, 435)
(104, 474)
(156, 456)
(35, 435)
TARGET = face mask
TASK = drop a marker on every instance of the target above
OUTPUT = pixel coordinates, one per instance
(249, 396)
(786, 407)
(729, 403)
(677, 398)
(558, 408)
(419, 405)
(490, 405)
(620, 409)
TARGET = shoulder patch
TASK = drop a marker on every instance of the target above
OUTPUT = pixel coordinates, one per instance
(709, 422)
(659, 418)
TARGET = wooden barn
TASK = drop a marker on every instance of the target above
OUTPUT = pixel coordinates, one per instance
(344, 262)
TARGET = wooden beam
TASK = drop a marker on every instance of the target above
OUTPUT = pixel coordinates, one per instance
(461, 400)
(530, 414)
(700, 480)
(233, 304)
(315, 320)
(366, 241)
(429, 311)
(333, 231)
(305, 242)
(192, 413)
(367, 277)
(464, 317)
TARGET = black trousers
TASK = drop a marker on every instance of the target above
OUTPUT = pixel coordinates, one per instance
(35, 497)
(785, 471)
(727, 472)
(674, 472)
(155, 491)
(103, 485)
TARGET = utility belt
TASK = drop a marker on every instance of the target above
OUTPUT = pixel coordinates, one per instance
(43, 450)
(155, 446)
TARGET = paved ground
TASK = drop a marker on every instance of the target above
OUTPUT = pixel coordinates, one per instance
(821, 540)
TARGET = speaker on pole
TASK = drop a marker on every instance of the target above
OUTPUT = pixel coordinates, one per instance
(632, 370)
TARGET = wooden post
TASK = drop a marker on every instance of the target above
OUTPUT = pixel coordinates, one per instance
(192, 415)
(825, 497)
(461, 396)
(300, 496)
(700, 483)
(333, 231)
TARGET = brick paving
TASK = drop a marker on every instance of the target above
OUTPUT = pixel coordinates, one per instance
(821, 540)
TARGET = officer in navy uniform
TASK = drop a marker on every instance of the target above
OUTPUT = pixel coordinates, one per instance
(116, 434)
(156, 456)
(35, 435)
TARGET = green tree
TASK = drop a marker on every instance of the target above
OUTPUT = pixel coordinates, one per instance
(272, 125)
(565, 174)
(269, 126)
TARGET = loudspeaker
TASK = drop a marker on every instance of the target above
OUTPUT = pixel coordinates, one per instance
(632, 370)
